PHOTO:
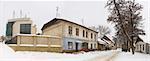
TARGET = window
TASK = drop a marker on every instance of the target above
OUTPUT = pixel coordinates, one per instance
(91, 46)
(25, 28)
(77, 31)
(86, 34)
(83, 33)
(91, 35)
(143, 47)
(95, 45)
(70, 30)
(95, 36)
(70, 45)
(140, 47)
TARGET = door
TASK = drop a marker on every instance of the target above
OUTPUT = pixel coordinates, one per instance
(76, 44)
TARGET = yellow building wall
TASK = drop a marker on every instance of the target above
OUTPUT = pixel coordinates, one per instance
(54, 30)
(74, 26)
(66, 25)
(61, 29)
(37, 43)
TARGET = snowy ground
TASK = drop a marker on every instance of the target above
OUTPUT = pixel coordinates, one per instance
(127, 56)
(7, 54)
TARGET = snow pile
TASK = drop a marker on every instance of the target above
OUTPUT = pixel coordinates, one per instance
(6, 51)
(127, 56)
(38, 56)
(7, 54)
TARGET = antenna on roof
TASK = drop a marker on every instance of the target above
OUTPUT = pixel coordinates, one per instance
(82, 21)
(13, 14)
(28, 14)
(25, 16)
(20, 13)
(57, 12)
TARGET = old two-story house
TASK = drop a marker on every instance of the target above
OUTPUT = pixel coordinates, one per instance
(73, 36)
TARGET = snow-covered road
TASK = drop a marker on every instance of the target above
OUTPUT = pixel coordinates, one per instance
(127, 56)
(7, 54)
(107, 57)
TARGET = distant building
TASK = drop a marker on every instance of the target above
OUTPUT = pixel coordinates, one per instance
(19, 26)
(74, 36)
(109, 44)
(141, 46)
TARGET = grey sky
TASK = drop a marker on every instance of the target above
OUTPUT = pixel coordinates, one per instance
(93, 12)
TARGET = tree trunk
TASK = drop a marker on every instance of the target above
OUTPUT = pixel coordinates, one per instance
(123, 26)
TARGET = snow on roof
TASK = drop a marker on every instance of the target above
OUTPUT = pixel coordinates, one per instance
(109, 39)
(140, 42)
(144, 38)
(101, 41)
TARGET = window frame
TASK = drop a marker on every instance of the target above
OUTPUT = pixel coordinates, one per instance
(25, 28)
(91, 35)
(70, 30)
(83, 33)
(86, 34)
(70, 45)
(77, 31)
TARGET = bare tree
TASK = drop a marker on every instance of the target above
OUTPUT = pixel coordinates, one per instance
(127, 19)
(103, 30)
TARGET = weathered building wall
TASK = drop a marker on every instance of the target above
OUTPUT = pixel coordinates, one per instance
(54, 30)
(79, 39)
(56, 27)
(142, 47)
(37, 43)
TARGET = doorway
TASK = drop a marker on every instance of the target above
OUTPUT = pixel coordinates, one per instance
(76, 45)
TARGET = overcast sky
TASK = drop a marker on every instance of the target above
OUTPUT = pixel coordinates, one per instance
(92, 12)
